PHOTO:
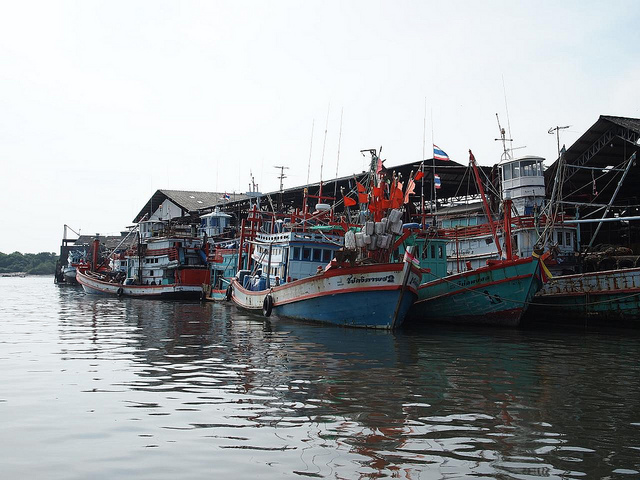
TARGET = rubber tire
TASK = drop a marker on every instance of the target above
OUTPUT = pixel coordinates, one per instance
(120, 291)
(229, 293)
(267, 306)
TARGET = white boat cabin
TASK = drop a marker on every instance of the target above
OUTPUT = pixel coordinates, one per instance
(162, 257)
(213, 224)
(523, 182)
(290, 256)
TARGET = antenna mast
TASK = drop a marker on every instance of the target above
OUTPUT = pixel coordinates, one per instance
(335, 185)
(310, 150)
(503, 138)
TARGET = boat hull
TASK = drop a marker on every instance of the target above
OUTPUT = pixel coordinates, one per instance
(497, 294)
(69, 274)
(372, 296)
(611, 296)
(94, 285)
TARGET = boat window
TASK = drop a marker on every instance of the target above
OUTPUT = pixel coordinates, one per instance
(425, 251)
(433, 251)
(516, 170)
(327, 255)
(506, 172)
(306, 253)
(559, 237)
(568, 238)
(529, 168)
(296, 253)
(539, 165)
(151, 273)
(440, 252)
(317, 255)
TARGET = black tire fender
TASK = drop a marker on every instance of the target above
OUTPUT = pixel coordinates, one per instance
(229, 293)
(267, 305)
(120, 291)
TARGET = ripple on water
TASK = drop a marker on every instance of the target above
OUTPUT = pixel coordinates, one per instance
(108, 387)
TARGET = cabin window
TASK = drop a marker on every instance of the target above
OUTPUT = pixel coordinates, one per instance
(425, 251)
(506, 172)
(151, 273)
(440, 252)
(516, 170)
(296, 253)
(327, 255)
(567, 238)
(317, 255)
(433, 251)
(559, 237)
(306, 253)
(529, 168)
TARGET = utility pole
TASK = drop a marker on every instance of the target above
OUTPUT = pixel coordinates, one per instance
(557, 132)
(282, 177)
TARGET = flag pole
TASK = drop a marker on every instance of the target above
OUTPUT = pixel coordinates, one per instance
(434, 194)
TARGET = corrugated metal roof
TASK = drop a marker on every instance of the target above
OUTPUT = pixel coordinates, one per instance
(456, 181)
(187, 200)
(110, 241)
(608, 143)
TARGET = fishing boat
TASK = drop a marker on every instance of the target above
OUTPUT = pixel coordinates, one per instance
(324, 283)
(75, 261)
(611, 297)
(497, 292)
(334, 273)
(167, 261)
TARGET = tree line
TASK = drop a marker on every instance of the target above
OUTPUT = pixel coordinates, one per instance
(43, 263)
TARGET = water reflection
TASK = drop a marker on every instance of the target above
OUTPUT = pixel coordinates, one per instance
(218, 392)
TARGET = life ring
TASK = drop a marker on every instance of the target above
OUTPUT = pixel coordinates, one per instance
(120, 291)
(229, 293)
(267, 305)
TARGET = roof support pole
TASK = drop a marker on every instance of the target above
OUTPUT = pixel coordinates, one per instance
(630, 162)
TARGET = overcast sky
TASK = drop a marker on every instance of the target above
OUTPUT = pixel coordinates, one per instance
(102, 103)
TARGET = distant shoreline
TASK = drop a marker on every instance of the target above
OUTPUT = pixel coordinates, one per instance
(23, 274)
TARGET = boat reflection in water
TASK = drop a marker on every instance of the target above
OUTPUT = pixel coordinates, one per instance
(233, 392)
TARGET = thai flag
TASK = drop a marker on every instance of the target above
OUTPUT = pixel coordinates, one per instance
(226, 196)
(439, 154)
(436, 180)
(409, 258)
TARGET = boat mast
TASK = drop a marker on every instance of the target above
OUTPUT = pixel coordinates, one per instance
(485, 204)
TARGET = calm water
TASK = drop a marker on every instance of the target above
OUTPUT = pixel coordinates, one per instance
(105, 388)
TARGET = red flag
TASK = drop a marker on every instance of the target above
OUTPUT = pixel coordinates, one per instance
(397, 197)
(418, 176)
(411, 188)
(363, 198)
(349, 202)
(361, 188)
(471, 157)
